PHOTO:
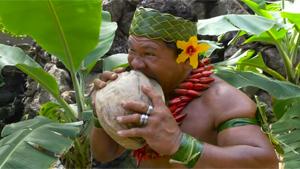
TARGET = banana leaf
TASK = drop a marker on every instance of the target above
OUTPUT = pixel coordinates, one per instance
(292, 17)
(221, 24)
(278, 89)
(66, 29)
(107, 34)
(35, 143)
(11, 56)
(114, 61)
(287, 131)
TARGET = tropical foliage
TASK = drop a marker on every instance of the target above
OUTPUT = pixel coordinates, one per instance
(78, 33)
(274, 25)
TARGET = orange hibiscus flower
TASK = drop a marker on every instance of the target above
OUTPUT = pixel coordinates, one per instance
(191, 50)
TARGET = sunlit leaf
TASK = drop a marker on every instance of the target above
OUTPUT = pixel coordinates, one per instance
(225, 23)
(266, 38)
(11, 56)
(276, 88)
(67, 29)
(255, 62)
(292, 17)
(114, 61)
(257, 8)
(106, 38)
(238, 56)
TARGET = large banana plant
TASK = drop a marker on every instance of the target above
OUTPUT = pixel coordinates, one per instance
(78, 33)
(23, 142)
(283, 31)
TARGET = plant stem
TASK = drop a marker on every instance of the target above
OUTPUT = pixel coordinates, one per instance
(282, 8)
(294, 50)
(285, 57)
(69, 112)
(78, 94)
(261, 112)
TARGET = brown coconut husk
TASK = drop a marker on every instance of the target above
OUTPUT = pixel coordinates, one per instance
(108, 104)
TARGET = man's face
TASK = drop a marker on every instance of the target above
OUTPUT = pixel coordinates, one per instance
(156, 60)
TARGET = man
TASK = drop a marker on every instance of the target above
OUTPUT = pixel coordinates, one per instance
(214, 130)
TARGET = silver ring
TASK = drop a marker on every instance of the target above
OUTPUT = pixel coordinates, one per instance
(144, 119)
(149, 110)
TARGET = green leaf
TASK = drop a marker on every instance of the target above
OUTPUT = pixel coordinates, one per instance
(287, 131)
(114, 61)
(238, 56)
(225, 23)
(278, 89)
(41, 76)
(282, 106)
(11, 56)
(297, 70)
(87, 117)
(67, 29)
(106, 38)
(52, 111)
(292, 17)
(257, 9)
(213, 46)
(35, 143)
(275, 6)
(261, 3)
(266, 38)
(258, 62)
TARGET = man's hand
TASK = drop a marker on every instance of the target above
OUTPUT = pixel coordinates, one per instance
(161, 132)
(103, 147)
(104, 78)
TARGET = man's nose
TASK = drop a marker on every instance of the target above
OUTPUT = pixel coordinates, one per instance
(137, 63)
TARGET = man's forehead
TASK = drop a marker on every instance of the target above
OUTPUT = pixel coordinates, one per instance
(144, 42)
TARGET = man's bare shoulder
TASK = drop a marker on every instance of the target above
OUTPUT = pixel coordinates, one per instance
(226, 102)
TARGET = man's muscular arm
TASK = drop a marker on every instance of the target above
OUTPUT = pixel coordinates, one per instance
(238, 147)
(103, 147)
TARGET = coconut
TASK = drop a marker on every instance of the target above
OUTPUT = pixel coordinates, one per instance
(108, 104)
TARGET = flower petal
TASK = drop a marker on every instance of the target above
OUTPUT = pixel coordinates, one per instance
(194, 61)
(202, 47)
(193, 41)
(181, 44)
(182, 57)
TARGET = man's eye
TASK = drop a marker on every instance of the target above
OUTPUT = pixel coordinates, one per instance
(149, 54)
(130, 50)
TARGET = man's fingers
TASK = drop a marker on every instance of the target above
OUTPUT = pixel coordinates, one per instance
(132, 118)
(119, 69)
(98, 84)
(106, 76)
(154, 96)
(133, 132)
(135, 106)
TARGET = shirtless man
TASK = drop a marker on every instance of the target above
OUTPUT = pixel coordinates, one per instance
(237, 146)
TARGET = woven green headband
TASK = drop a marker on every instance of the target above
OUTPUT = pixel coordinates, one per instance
(153, 24)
